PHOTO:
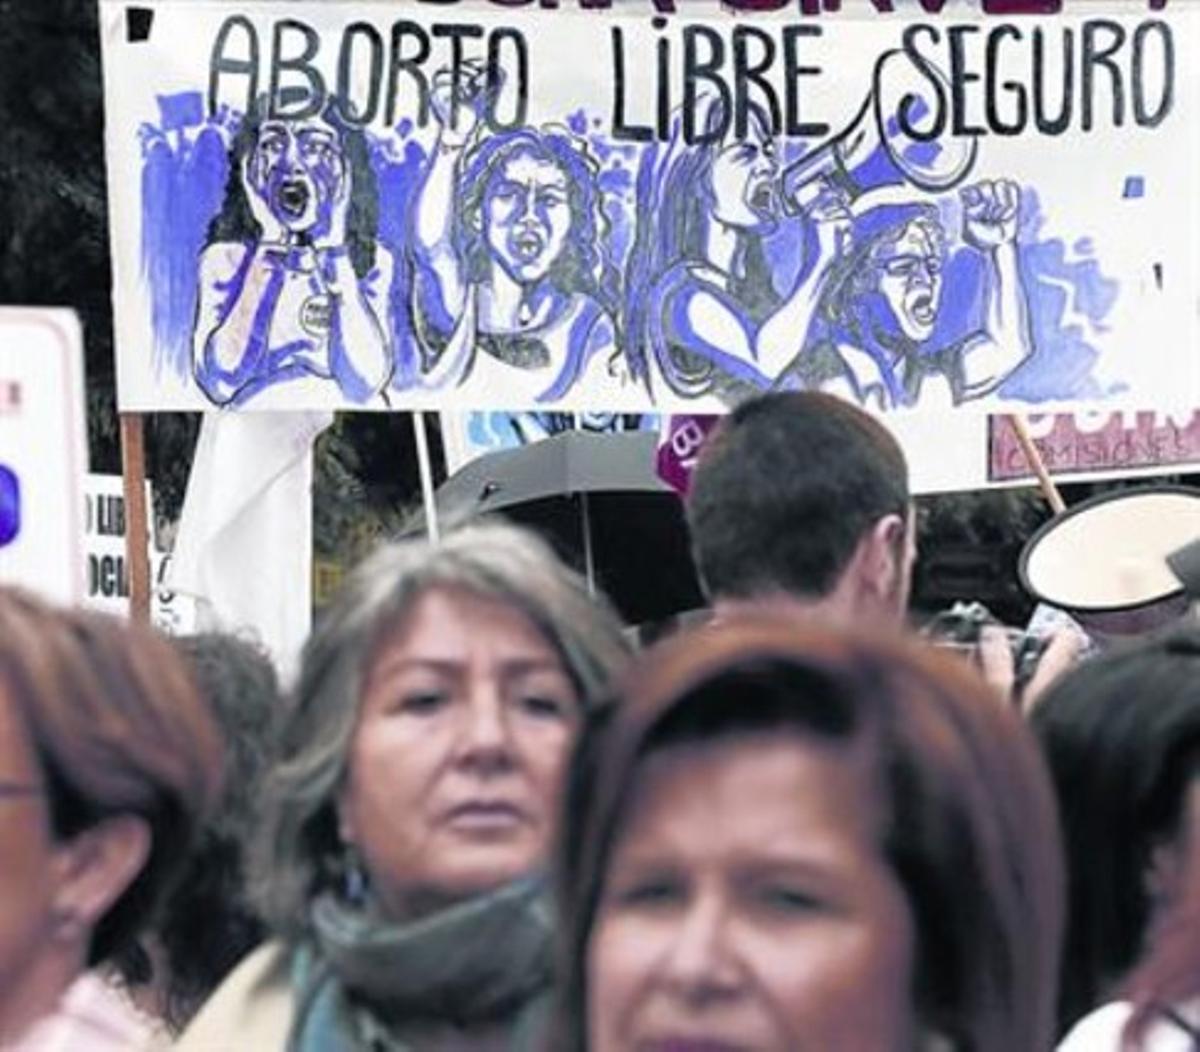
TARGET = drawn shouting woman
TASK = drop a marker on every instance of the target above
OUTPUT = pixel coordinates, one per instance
(702, 313)
(292, 284)
(513, 293)
(882, 336)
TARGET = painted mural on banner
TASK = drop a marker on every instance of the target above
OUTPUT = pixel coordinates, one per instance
(582, 207)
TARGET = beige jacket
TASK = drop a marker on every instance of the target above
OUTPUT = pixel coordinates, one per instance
(251, 1010)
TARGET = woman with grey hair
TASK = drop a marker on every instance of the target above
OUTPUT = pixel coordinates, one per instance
(412, 802)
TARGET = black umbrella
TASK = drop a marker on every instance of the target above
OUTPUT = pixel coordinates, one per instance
(598, 500)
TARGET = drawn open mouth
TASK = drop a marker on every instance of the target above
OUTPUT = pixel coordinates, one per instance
(292, 197)
(922, 309)
(527, 247)
(762, 199)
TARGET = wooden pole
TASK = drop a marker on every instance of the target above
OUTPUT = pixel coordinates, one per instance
(426, 468)
(1033, 457)
(137, 529)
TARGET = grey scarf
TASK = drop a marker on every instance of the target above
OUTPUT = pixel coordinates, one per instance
(364, 982)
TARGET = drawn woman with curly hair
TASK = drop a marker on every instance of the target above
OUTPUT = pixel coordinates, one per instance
(513, 292)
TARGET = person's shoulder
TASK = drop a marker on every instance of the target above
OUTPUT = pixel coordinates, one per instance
(93, 1014)
(1103, 1030)
(1099, 1030)
(252, 1008)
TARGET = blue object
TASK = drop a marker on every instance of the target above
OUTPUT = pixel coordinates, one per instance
(10, 506)
(184, 110)
(1135, 187)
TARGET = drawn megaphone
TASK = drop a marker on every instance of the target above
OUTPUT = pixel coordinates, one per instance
(874, 150)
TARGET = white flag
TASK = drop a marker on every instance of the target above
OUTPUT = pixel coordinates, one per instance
(244, 547)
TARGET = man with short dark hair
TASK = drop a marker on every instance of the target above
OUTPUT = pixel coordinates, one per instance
(803, 497)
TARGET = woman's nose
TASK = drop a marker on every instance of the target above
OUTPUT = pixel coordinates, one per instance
(526, 210)
(701, 963)
(485, 740)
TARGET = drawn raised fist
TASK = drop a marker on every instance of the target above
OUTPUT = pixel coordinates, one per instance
(464, 101)
(991, 211)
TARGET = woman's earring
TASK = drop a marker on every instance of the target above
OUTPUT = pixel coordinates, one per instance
(354, 877)
(935, 1042)
(68, 925)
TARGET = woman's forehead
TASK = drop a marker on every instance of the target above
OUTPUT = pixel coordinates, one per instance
(281, 126)
(525, 165)
(917, 236)
(758, 131)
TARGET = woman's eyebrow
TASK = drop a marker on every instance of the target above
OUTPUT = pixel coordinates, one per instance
(398, 666)
(517, 665)
(522, 666)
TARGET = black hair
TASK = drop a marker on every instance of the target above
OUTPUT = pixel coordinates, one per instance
(784, 491)
(235, 222)
(1121, 734)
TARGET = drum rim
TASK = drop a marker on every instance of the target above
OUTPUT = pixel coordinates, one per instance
(1078, 509)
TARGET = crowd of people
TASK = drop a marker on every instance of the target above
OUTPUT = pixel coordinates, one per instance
(482, 819)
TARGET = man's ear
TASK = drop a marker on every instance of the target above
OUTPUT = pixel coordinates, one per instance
(96, 867)
(882, 555)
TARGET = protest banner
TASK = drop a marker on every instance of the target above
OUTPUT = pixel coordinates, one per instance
(107, 570)
(596, 208)
(1099, 445)
(945, 453)
(43, 452)
(957, 452)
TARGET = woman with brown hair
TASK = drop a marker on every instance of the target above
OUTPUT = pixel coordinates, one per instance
(108, 760)
(785, 839)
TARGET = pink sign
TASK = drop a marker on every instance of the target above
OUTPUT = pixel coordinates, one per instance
(678, 448)
(1095, 443)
